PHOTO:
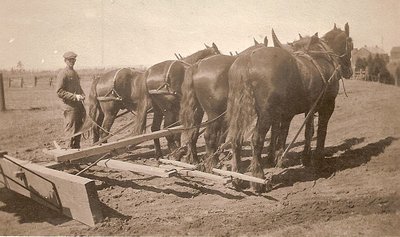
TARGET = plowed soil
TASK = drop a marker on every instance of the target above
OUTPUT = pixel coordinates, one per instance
(357, 194)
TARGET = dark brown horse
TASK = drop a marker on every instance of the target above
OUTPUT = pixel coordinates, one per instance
(274, 85)
(164, 81)
(205, 90)
(118, 89)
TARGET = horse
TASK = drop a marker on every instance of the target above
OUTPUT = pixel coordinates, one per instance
(164, 81)
(205, 90)
(118, 89)
(274, 85)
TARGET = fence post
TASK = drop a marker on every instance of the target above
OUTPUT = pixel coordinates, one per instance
(50, 81)
(22, 82)
(9, 82)
(2, 95)
(36, 80)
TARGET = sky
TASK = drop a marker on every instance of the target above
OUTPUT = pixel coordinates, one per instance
(112, 33)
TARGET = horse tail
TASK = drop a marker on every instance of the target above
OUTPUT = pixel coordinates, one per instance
(189, 100)
(143, 105)
(94, 105)
(241, 103)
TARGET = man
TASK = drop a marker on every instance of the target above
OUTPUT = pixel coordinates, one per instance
(70, 91)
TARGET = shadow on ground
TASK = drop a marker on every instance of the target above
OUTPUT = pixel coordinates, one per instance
(197, 186)
(27, 210)
(338, 158)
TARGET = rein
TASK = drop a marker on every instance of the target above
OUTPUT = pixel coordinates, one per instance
(310, 112)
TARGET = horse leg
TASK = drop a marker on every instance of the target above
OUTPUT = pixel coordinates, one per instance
(212, 138)
(155, 126)
(236, 161)
(324, 114)
(283, 133)
(193, 135)
(271, 159)
(109, 119)
(222, 132)
(308, 135)
(108, 115)
(96, 130)
(264, 122)
(169, 119)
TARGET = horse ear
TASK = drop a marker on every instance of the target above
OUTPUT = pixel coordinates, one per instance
(347, 29)
(177, 56)
(276, 41)
(255, 41)
(230, 53)
(180, 56)
(215, 47)
(334, 26)
(314, 39)
(206, 46)
(301, 37)
(265, 41)
(236, 53)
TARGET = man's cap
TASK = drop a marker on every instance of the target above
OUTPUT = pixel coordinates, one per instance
(70, 54)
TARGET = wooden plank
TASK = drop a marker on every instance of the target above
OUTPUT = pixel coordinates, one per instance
(240, 176)
(62, 155)
(78, 195)
(195, 173)
(144, 169)
(218, 171)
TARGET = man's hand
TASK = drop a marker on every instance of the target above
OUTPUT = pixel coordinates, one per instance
(80, 97)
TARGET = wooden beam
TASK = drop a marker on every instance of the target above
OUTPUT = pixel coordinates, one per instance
(143, 169)
(225, 173)
(195, 173)
(73, 196)
(62, 155)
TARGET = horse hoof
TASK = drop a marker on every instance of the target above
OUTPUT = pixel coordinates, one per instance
(202, 168)
(210, 164)
(191, 160)
(239, 184)
(269, 163)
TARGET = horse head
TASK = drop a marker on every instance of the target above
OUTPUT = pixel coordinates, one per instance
(342, 44)
(305, 43)
(213, 49)
(256, 46)
(205, 53)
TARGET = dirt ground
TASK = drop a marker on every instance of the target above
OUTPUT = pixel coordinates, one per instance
(359, 195)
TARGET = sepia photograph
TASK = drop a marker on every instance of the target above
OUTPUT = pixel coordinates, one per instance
(200, 118)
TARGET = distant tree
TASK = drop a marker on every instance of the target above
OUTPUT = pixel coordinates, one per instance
(20, 66)
(397, 73)
(361, 63)
(370, 65)
(377, 69)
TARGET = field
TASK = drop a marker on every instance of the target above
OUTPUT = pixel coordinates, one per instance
(358, 195)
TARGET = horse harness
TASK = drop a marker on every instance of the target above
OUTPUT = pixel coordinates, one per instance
(113, 95)
(166, 83)
(167, 86)
(307, 54)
